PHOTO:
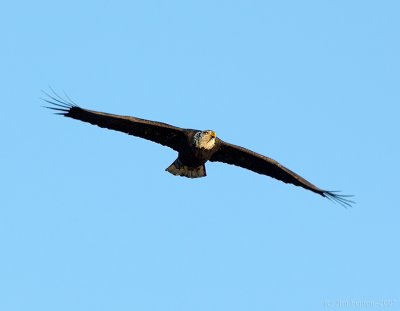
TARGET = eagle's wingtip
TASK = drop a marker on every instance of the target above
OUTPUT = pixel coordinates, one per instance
(342, 199)
(59, 104)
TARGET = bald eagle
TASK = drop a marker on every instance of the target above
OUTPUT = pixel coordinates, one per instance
(194, 147)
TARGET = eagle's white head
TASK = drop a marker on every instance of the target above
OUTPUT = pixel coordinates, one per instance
(205, 139)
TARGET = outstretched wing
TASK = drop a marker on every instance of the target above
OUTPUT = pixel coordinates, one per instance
(162, 133)
(236, 155)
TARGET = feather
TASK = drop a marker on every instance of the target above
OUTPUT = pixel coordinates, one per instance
(239, 156)
(162, 133)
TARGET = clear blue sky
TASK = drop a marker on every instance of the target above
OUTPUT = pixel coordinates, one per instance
(89, 219)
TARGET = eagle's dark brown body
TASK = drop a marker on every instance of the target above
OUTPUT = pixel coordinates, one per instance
(191, 156)
(194, 147)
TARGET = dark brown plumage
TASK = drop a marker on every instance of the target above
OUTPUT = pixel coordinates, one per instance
(194, 147)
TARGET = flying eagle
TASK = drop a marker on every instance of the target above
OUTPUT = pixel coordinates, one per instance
(194, 147)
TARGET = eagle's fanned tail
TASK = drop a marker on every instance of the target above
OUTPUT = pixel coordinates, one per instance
(178, 169)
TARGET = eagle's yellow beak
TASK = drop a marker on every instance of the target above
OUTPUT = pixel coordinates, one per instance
(213, 134)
